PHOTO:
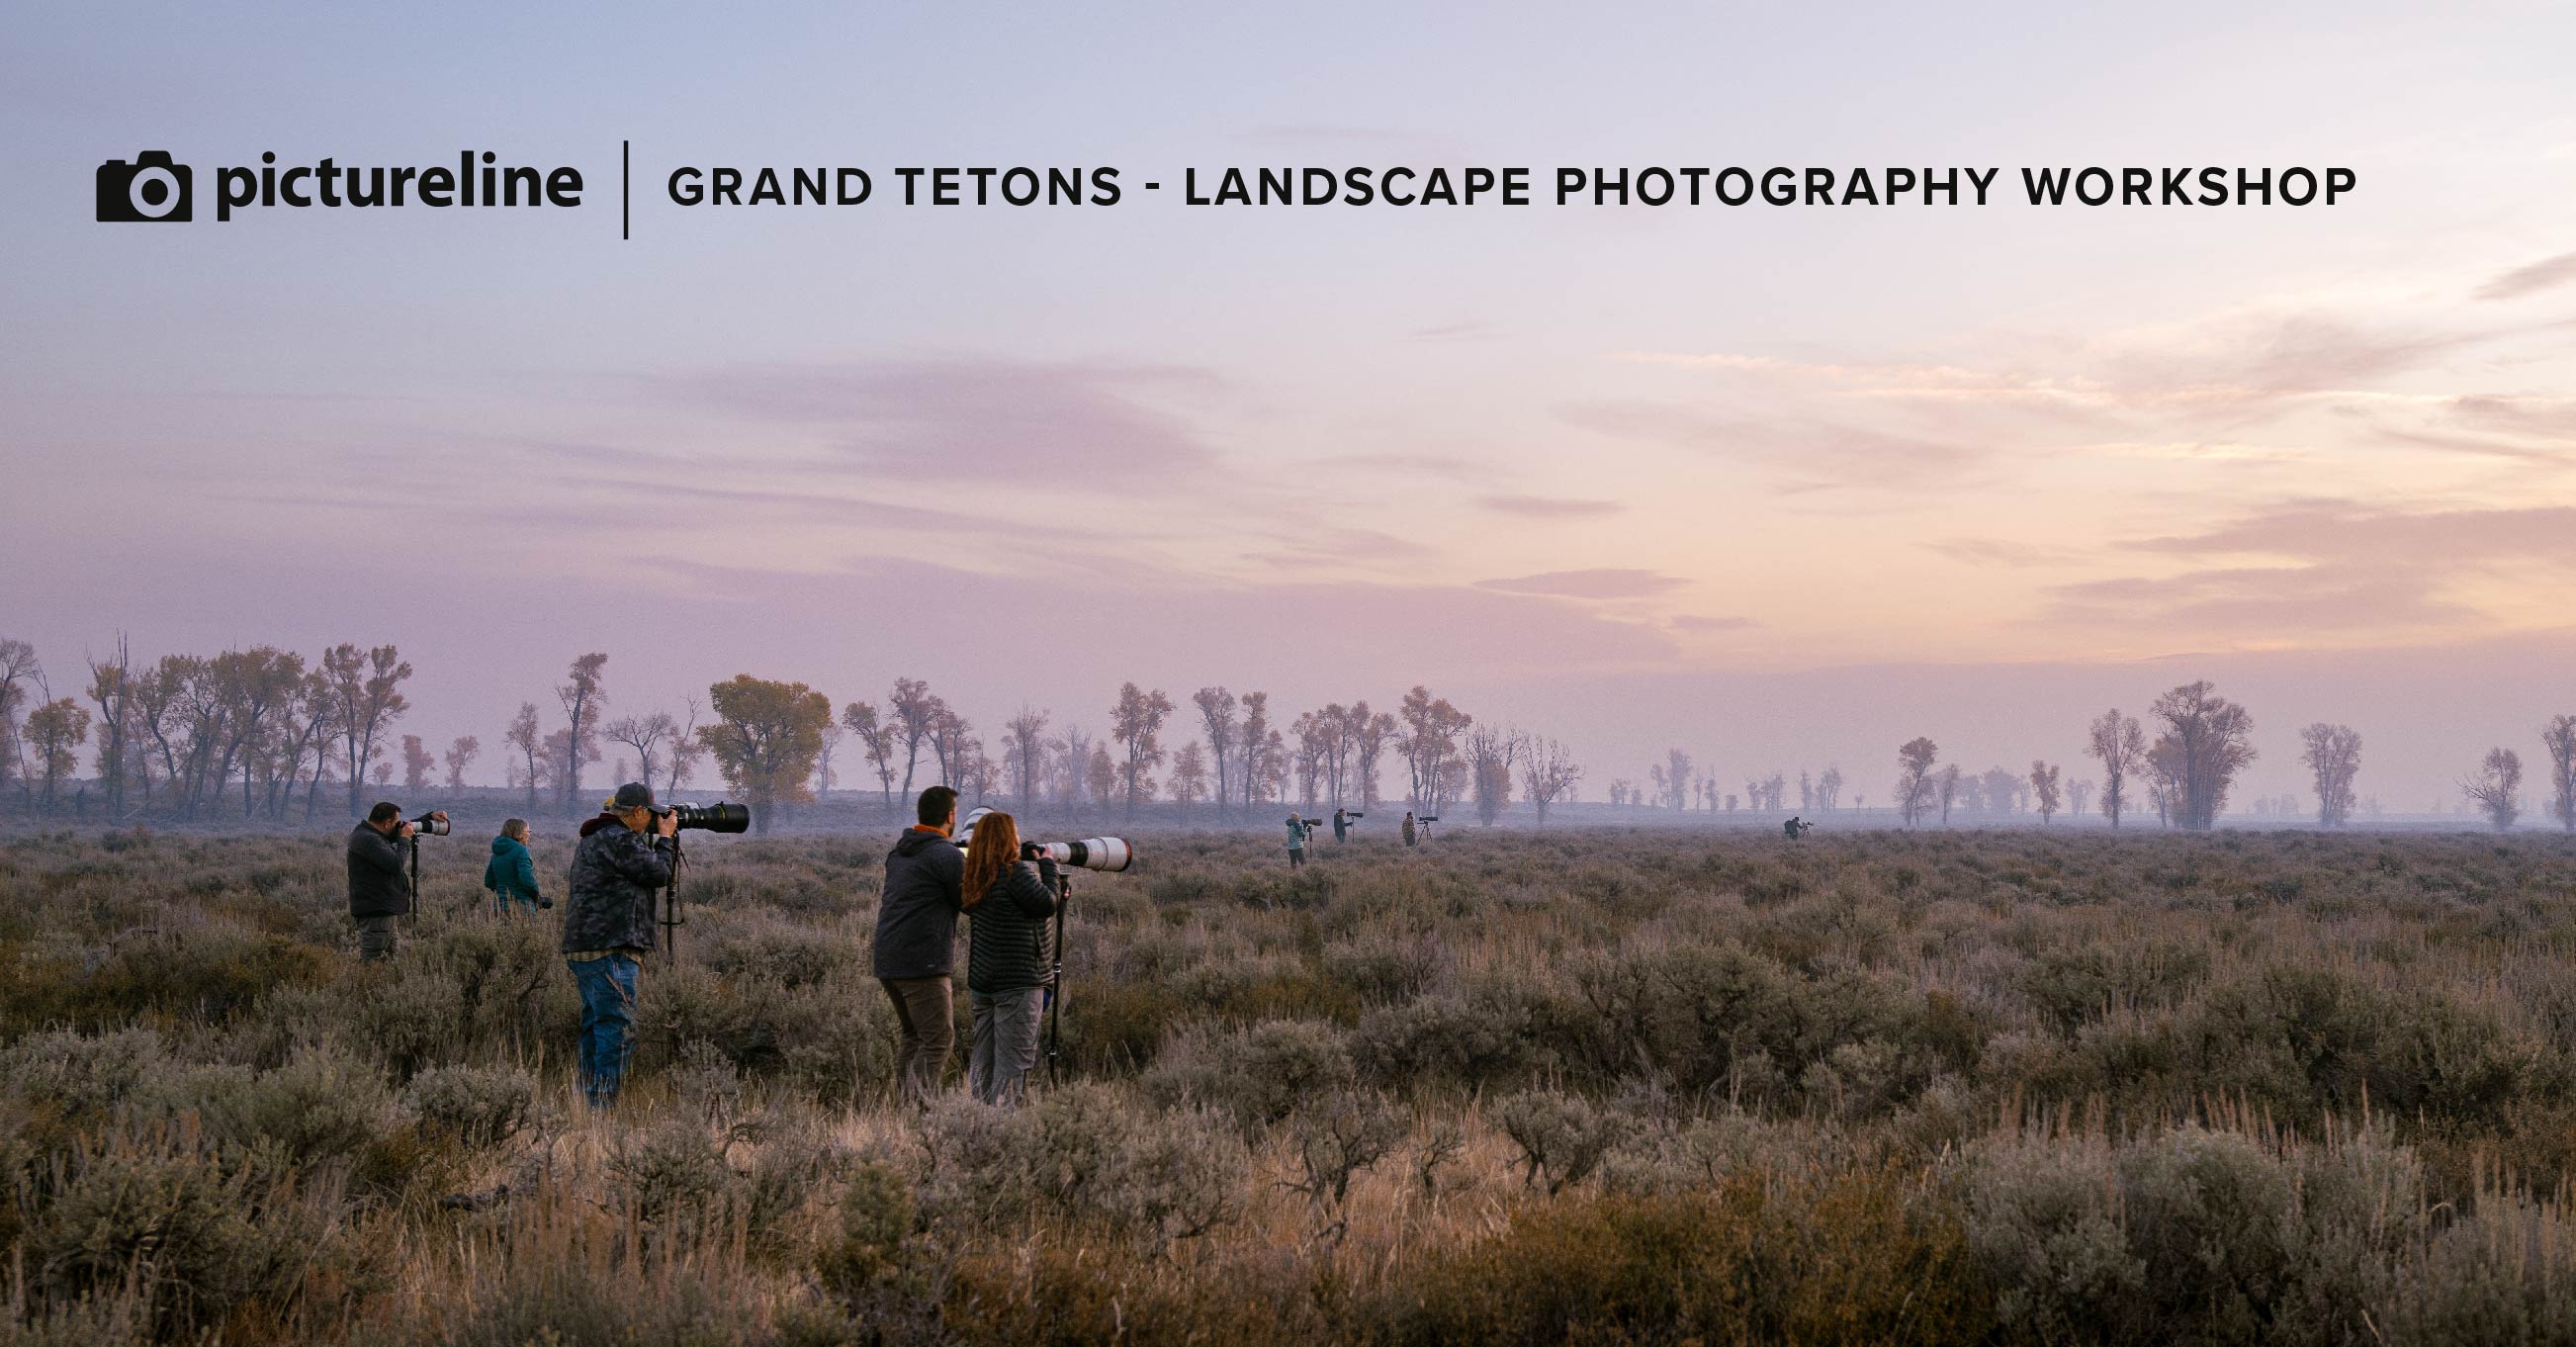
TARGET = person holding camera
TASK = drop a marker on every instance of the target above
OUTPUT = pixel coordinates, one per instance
(1341, 825)
(916, 941)
(1299, 828)
(511, 874)
(1010, 893)
(1412, 833)
(378, 893)
(624, 856)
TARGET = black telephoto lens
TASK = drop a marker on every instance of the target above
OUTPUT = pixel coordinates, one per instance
(715, 818)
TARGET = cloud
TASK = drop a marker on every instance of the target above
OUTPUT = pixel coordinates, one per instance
(1551, 507)
(2262, 604)
(1809, 454)
(2002, 552)
(1460, 331)
(954, 420)
(2329, 530)
(1591, 584)
(2547, 273)
(1691, 622)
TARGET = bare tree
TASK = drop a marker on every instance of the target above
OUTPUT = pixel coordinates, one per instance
(1549, 774)
(1428, 739)
(646, 735)
(2120, 743)
(876, 739)
(1999, 785)
(1189, 782)
(2333, 757)
(2076, 794)
(1829, 789)
(582, 701)
(916, 712)
(1914, 786)
(19, 670)
(1370, 734)
(2496, 789)
(688, 746)
(1217, 717)
(1136, 721)
(2043, 786)
(1025, 742)
(2212, 740)
(525, 736)
(1946, 787)
(110, 687)
(460, 755)
(366, 686)
(2560, 737)
(1492, 752)
(1255, 764)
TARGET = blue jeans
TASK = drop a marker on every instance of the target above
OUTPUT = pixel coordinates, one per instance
(607, 1014)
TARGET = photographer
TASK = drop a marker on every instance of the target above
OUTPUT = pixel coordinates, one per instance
(916, 941)
(624, 856)
(378, 892)
(1009, 962)
(1341, 825)
(1298, 829)
(511, 874)
(1412, 833)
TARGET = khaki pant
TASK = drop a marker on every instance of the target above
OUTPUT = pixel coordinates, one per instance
(375, 937)
(927, 1011)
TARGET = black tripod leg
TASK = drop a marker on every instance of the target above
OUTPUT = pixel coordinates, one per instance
(1055, 988)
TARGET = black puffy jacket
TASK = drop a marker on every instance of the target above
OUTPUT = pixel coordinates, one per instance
(917, 909)
(1007, 945)
(616, 871)
(377, 887)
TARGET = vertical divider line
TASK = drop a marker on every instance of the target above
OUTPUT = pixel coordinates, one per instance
(624, 148)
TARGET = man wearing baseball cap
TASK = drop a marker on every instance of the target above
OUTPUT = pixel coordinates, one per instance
(624, 856)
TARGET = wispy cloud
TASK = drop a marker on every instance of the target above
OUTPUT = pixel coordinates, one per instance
(1606, 583)
(2545, 274)
(1550, 507)
(953, 420)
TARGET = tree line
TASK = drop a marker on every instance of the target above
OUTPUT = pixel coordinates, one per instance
(262, 733)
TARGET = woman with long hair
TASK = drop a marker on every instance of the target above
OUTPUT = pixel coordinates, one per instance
(1010, 961)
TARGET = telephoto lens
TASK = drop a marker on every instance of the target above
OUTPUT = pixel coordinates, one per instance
(431, 824)
(715, 818)
(1091, 853)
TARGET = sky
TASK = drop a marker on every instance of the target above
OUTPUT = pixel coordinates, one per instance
(1782, 486)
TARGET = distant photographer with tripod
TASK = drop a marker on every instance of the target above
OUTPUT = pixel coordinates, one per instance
(624, 857)
(1010, 892)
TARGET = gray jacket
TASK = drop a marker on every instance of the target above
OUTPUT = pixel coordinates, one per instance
(917, 909)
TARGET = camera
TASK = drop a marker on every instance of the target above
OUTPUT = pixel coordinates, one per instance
(431, 824)
(1110, 854)
(715, 818)
(149, 190)
(1353, 815)
(1426, 818)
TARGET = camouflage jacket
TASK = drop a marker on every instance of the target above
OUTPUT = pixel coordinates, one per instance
(616, 875)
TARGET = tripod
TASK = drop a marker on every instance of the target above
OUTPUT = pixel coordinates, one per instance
(672, 917)
(1055, 978)
(414, 913)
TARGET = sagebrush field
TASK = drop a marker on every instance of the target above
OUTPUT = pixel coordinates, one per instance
(1586, 1085)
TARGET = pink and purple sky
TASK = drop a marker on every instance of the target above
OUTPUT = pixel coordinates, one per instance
(1782, 486)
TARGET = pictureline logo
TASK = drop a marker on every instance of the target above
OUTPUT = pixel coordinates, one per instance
(153, 189)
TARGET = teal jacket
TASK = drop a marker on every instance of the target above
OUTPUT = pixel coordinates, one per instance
(511, 873)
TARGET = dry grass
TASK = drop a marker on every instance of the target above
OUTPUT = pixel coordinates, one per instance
(1941, 1088)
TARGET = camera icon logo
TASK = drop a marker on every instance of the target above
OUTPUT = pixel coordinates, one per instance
(149, 190)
